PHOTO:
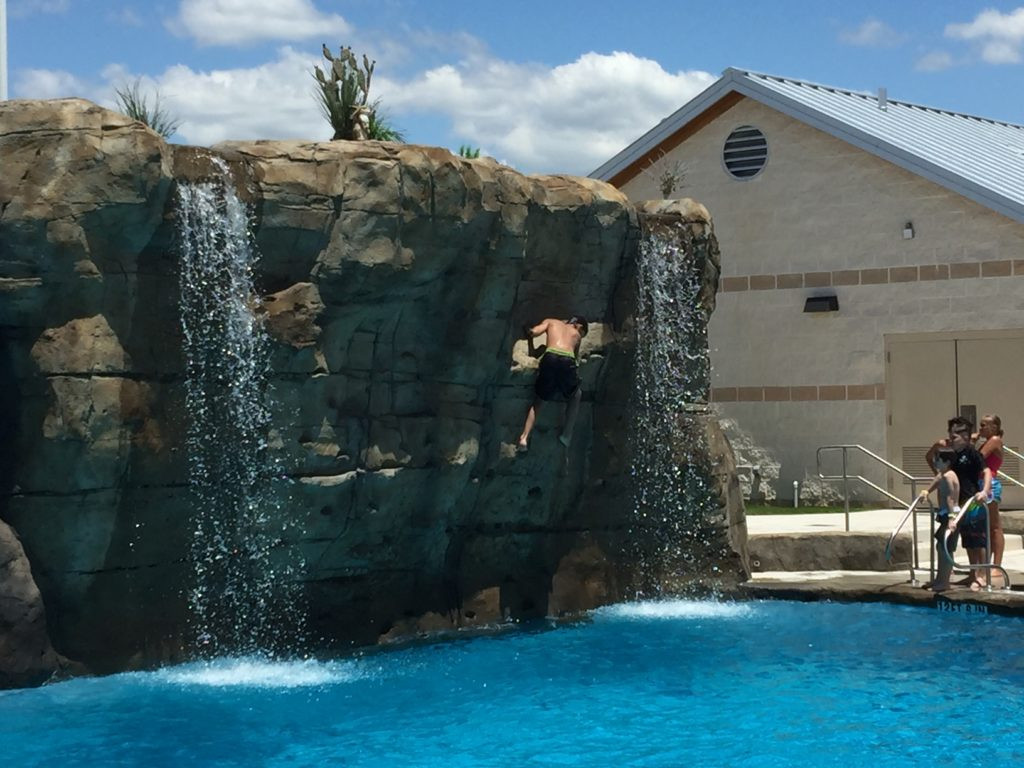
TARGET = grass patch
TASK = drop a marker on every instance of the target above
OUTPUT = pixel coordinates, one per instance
(762, 509)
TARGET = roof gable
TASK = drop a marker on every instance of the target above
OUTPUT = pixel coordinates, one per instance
(978, 158)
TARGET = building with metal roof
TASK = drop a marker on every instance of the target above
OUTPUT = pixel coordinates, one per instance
(872, 267)
(976, 157)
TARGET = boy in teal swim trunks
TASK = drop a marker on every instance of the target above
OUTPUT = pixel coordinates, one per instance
(557, 377)
(949, 495)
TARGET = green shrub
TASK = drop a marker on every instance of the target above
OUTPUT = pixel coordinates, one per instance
(132, 102)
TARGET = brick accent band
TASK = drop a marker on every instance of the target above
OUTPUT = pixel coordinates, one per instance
(874, 276)
(823, 392)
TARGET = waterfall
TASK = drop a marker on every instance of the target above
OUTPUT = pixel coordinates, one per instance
(241, 599)
(672, 492)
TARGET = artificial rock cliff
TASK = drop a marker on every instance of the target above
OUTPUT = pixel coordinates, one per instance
(395, 280)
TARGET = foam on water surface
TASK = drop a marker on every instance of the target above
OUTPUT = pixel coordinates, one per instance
(261, 673)
(675, 609)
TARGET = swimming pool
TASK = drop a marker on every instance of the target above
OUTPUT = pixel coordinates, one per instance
(649, 684)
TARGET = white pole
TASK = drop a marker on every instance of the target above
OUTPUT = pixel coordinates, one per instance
(3, 50)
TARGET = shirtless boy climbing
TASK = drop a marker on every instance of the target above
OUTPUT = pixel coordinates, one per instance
(557, 376)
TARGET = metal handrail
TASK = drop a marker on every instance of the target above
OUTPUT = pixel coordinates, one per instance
(912, 508)
(846, 477)
(915, 557)
(1005, 476)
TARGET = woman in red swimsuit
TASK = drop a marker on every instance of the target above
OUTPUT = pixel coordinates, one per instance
(990, 430)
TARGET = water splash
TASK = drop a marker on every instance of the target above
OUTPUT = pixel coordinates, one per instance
(260, 673)
(242, 600)
(673, 495)
(675, 609)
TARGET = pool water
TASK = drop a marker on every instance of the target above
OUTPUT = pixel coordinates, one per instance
(649, 684)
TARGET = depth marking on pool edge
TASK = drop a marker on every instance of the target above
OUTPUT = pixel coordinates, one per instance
(971, 608)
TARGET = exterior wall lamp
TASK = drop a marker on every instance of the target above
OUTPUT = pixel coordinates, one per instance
(908, 231)
(822, 304)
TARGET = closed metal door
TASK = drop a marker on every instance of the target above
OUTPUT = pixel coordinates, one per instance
(920, 393)
(990, 374)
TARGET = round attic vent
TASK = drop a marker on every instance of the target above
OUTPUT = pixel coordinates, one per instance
(745, 152)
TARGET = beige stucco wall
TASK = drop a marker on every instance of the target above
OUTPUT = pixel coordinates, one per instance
(820, 214)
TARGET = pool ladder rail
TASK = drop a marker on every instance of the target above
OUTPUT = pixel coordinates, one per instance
(985, 566)
(914, 559)
(915, 563)
(957, 567)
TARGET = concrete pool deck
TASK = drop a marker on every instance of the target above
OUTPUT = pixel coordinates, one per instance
(892, 586)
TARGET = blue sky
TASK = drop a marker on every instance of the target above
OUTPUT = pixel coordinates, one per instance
(548, 87)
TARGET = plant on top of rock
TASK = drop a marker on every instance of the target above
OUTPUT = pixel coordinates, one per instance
(671, 177)
(379, 127)
(133, 103)
(344, 95)
(470, 153)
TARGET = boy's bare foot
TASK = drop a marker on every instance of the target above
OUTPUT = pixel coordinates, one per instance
(522, 447)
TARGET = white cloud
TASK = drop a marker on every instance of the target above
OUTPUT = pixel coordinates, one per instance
(999, 36)
(873, 34)
(47, 84)
(567, 119)
(21, 8)
(272, 101)
(240, 22)
(125, 16)
(934, 61)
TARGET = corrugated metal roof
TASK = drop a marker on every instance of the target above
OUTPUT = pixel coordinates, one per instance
(979, 158)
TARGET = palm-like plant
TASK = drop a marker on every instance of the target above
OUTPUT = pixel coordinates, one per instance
(343, 90)
(471, 153)
(133, 102)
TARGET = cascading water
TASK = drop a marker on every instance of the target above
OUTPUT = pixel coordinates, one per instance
(673, 495)
(242, 601)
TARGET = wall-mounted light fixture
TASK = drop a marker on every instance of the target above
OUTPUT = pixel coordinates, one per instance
(908, 231)
(821, 304)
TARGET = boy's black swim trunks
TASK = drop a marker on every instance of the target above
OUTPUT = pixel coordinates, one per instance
(556, 377)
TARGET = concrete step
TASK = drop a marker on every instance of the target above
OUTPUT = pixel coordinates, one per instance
(826, 551)
(819, 542)
(1013, 521)
(886, 587)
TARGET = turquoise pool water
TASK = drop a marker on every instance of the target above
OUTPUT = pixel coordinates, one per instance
(648, 684)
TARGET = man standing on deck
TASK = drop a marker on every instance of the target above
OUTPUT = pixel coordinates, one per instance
(975, 480)
(557, 374)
